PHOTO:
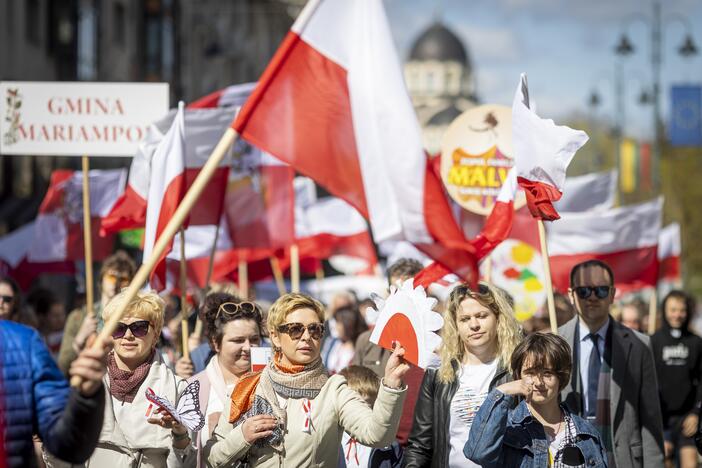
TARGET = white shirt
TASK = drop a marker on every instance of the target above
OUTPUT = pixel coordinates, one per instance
(355, 454)
(555, 444)
(474, 385)
(585, 351)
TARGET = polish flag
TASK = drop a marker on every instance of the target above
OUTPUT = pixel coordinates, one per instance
(542, 153)
(166, 190)
(589, 192)
(328, 228)
(332, 104)
(669, 248)
(203, 128)
(626, 238)
(58, 229)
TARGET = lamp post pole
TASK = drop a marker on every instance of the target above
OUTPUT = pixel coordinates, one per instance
(656, 91)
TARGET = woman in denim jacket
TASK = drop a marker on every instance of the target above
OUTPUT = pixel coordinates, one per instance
(539, 432)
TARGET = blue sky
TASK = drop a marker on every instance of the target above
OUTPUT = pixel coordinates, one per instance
(565, 47)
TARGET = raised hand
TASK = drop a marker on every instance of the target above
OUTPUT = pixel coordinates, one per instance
(396, 367)
(523, 387)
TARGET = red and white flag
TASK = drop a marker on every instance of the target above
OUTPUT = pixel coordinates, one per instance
(669, 249)
(589, 192)
(166, 191)
(203, 128)
(332, 104)
(542, 153)
(58, 228)
(626, 238)
(328, 228)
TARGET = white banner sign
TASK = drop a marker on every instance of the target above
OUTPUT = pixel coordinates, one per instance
(76, 119)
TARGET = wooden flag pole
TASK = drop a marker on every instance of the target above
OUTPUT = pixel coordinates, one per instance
(294, 269)
(547, 273)
(244, 280)
(652, 311)
(319, 275)
(205, 290)
(184, 296)
(176, 221)
(87, 237)
(278, 275)
(488, 269)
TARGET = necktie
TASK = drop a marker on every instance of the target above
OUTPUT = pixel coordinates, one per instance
(593, 377)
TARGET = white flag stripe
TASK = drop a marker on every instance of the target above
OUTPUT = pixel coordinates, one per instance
(669, 244)
(328, 216)
(590, 192)
(619, 229)
(15, 245)
(49, 242)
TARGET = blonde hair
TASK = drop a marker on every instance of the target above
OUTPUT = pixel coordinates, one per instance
(452, 348)
(288, 303)
(363, 381)
(145, 305)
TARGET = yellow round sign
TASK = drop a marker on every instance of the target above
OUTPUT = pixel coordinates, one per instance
(476, 155)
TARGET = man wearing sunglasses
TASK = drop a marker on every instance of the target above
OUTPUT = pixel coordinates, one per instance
(613, 384)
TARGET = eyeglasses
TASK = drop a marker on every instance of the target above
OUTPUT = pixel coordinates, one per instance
(546, 375)
(233, 308)
(296, 330)
(584, 292)
(7, 299)
(139, 329)
(120, 280)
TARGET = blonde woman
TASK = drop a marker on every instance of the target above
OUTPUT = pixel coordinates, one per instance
(293, 413)
(478, 337)
(127, 439)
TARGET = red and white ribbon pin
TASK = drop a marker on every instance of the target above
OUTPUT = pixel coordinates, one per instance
(307, 408)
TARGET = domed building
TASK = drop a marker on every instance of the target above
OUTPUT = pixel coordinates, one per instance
(440, 81)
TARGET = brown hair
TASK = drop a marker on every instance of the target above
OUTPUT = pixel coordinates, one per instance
(404, 268)
(363, 381)
(549, 351)
(352, 321)
(119, 261)
(215, 321)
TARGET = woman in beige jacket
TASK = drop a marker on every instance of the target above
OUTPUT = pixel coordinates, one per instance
(127, 438)
(292, 413)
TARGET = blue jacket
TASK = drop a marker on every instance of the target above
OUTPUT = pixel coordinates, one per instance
(501, 437)
(36, 399)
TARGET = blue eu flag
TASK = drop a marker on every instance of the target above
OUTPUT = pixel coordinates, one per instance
(686, 115)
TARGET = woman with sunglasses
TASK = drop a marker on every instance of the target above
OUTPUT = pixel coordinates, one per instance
(127, 438)
(292, 413)
(478, 337)
(539, 431)
(232, 327)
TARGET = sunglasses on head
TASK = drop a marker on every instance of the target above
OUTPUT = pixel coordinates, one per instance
(139, 329)
(233, 308)
(296, 330)
(117, 279)
(584, 292)
(7, 299)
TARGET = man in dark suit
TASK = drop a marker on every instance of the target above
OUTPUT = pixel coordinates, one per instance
(613, 383)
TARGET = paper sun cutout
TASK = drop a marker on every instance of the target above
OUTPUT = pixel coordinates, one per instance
(407, 316)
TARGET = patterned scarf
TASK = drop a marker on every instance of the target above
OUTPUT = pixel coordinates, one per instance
(256, 393)
(125, 384)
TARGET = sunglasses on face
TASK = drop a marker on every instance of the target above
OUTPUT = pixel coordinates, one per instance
(296, 330)
(120, 280)
(584, 292)
(139, 329)
(7, 299)
(233, 308)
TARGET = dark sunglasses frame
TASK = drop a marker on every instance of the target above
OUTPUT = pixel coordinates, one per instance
(584, 292)
(233, 308)
(134, 327)
(295, 330)
(7, 299)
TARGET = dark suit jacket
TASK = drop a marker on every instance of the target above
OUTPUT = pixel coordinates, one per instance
(637, 426)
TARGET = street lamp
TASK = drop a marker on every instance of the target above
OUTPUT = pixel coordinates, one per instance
(687, 49)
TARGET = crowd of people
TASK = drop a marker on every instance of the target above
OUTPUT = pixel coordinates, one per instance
(496, 393)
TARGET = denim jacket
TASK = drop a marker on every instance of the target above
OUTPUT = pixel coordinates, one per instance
(502, 437)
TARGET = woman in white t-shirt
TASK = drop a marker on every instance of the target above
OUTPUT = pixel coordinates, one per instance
(233, 327)
(478, 337)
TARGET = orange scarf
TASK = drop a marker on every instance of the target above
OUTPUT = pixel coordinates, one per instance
(244, 393)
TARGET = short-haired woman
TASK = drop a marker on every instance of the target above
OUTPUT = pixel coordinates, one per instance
(127, 439)
(232, 327)
(539, 431)
(292, 413)
(478, 337)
